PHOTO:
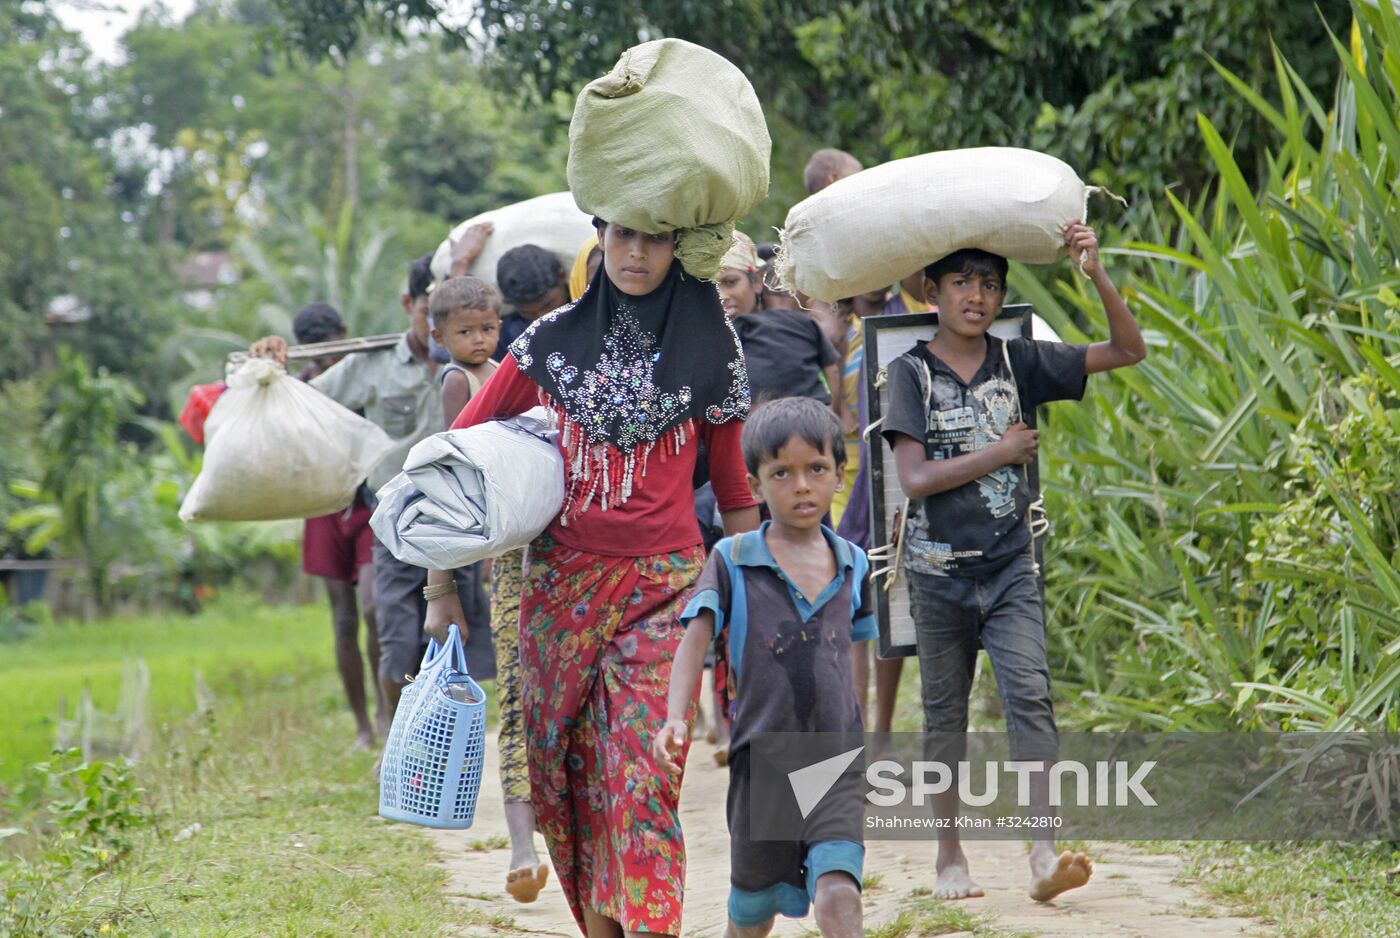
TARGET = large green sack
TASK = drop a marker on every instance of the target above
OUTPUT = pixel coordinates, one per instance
(673, 138)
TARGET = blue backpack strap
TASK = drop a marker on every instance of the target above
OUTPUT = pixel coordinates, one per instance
(859, 569)
(738, 605)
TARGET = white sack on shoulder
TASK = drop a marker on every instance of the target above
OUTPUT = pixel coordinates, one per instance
(279, 449)
(552, 222)
(466, 495)
(878, 226)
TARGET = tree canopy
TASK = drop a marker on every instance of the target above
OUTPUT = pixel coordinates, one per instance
(1112, 87)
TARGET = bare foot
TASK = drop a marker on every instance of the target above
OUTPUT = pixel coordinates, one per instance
(525, 884)
(722, 756)
(364, 740)
(954, 882)
(1052, 875)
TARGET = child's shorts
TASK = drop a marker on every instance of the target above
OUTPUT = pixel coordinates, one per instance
(748, 909)
(772, 877)
(337, 545)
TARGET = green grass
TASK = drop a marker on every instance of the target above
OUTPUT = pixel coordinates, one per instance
(930, 918)
(488, 844)
(289, 841)
(232, 643)
(1309, 890)
(1304, 890)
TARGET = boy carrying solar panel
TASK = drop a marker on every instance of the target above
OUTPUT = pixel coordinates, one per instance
(956, 424)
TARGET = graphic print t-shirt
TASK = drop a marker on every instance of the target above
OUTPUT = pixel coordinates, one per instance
(977, 528)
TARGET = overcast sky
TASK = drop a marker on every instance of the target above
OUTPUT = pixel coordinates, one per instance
(102, 22)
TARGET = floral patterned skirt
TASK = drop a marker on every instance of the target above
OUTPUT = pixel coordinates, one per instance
(507, 581)
(597, 637)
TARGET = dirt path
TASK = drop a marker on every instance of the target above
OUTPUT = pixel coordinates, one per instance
(1132, 893)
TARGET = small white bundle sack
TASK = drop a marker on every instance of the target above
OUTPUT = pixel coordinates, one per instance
(279, 449)
(466, 495)
(552, 222)
(878, 226)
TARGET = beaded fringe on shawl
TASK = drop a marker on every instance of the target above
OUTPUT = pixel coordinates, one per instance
(603, 472)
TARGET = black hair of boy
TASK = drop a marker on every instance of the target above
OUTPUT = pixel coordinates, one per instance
(420, 276)
(970, 262)
(527, 272)
(771, 425)
(317, 322)
(460, 293)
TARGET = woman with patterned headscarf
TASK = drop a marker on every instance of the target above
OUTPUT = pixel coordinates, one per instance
(638, 371)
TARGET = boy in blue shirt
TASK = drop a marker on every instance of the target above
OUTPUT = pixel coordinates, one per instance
(790, 601)
(956, 423)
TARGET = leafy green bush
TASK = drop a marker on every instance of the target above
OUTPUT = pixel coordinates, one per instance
(1225, 551)
(78, 822)
(245, 816)
(22, 403)
(17, 622)
(95, 496)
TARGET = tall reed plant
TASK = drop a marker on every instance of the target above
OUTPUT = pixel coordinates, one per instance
(1226, 544)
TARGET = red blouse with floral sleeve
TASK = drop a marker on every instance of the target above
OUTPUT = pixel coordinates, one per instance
(659, 516)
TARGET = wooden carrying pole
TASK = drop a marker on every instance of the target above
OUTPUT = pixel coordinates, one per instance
(370, 343)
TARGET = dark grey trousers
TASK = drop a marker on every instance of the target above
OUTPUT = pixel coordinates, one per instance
(1001, 612)
(398, 600)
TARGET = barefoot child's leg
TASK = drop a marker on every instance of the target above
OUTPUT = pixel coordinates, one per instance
(887, 674)
(836, 907)
(834, 872)
(946, 617)
(365, 590)
(1014, 636)
(345, 623)
(1052, 874)
(749, 931)
(526, 875)
(954, 881)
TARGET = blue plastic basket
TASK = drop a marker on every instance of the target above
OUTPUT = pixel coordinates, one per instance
(431, 770)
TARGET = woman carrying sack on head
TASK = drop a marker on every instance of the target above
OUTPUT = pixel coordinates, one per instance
(638, 371)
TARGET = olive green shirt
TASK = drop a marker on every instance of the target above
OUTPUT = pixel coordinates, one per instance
(395, 391)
